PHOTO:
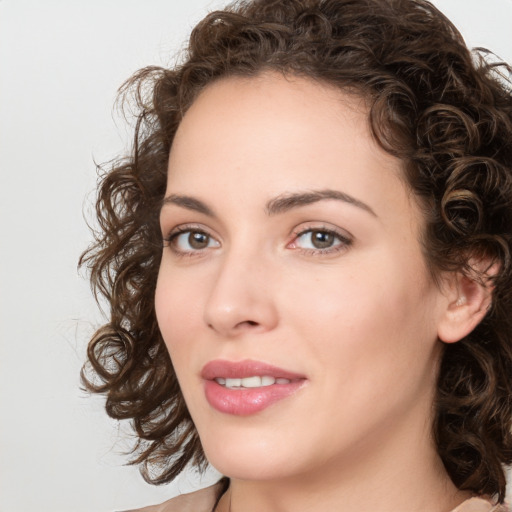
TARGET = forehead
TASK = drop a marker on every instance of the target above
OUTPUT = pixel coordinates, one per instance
(272, 133)
(276, 100)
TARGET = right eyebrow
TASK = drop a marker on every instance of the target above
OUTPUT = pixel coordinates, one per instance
(190, 203)
(286, 202)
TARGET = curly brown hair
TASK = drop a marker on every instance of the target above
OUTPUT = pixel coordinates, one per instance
(446, 112)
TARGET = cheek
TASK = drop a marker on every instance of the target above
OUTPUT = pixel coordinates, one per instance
(178, 312)
(374, 311)
(371, 344)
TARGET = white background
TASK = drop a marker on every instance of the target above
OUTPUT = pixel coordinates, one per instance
(61, 62)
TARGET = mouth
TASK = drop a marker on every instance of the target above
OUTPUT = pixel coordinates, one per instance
(251, 382)
(247, 387)
(247, 374)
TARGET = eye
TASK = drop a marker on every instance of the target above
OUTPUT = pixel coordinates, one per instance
(188, 241)
(320, 240)
(316, 239)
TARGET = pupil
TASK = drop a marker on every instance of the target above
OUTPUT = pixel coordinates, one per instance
(322, 240)
(198, 240)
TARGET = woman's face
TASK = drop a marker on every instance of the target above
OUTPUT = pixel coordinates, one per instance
(292, 262)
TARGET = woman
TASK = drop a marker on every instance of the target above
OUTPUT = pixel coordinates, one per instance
(307, 258)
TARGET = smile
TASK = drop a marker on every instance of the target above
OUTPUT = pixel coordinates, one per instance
(243, 388)
(250, 382)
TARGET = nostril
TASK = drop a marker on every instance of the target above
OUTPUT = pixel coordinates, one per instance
(247, 323)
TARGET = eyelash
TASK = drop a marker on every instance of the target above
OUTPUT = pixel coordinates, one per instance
(171, 240)
(344, 241)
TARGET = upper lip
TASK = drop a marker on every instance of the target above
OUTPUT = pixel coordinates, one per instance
(246, 368)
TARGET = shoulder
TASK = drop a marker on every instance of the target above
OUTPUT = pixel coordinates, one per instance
(480, 505)
(199, 501)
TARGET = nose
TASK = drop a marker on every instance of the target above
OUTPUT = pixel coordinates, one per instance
(241, 298)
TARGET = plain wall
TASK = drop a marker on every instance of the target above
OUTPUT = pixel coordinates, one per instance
(60, 65)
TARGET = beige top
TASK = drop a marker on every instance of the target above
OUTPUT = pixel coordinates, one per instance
(198, 501)
(204, 501)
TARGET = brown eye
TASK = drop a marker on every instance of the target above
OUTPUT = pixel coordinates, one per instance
(190, 241)
(198, 240)
(322, 239)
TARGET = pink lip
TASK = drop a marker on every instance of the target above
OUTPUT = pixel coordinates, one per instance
(246, 401)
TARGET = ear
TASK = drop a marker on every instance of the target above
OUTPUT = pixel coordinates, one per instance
(468, 298)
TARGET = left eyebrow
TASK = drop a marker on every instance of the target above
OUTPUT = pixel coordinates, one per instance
(189, 203)
(286, 202)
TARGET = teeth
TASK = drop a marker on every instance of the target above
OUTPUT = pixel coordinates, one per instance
(233, 383)
(250, 382)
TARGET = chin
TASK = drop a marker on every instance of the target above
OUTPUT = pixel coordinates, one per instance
(248, 457)
(242, 468)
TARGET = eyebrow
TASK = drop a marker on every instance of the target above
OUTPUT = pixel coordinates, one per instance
(287, 202)
(276, 206)
(188, 202)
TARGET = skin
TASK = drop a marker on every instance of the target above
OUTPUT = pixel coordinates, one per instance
(361, 319)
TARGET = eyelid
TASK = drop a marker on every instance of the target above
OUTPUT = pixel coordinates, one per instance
(181, 229)
(342, 235)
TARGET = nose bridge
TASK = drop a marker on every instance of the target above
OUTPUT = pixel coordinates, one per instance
(241, 296)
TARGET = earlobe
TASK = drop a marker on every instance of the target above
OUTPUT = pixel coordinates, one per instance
(467, 302)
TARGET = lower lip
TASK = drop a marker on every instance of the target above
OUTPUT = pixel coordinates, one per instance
(246, 401)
